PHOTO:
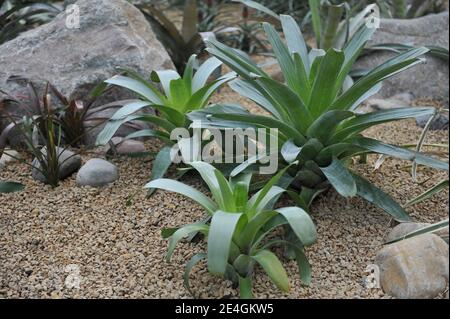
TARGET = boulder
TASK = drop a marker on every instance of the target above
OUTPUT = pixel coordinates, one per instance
(415, 268)
(111, 34)
(69, 162)
(426, 80)
(97, 173)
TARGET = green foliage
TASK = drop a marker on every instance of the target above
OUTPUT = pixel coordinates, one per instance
(435, 51)
(74, 116)
(239, 232)
(315, 112)
(247, 37)
(180, 44)
(19, 16)
(429, 193)
(182, 94)
(71, 116)
(10, 187)
(403, 9)
(333, 23)
(39, 132)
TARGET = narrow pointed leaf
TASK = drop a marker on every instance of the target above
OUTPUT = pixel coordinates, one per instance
(274, 269)
(425, 230)
(226, 191)
(285, 59)
(245, 288)
(376, 196)
(289, 103)
(295, 40)
(184, 233)
(248, 90)
(204, 72)
(10, 187)
(388, 69)
(428, 194)
(324, 126)
(364, 121)
(223, 226)
(314, 6)
(341, 179)
(259, 7)
(161, 165)
(301, 223)
(185, 190)
(140, 88)
(189, 266)
(163, 136)
(399, 152)
(179, 95)
(165, 77)
(322, 95)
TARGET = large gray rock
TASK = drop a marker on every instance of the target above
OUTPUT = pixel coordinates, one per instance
(112, 34)
(96, 173)
(426, 80)
(415, 268)
(69, 162)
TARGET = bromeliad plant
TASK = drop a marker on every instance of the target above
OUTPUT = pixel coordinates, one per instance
(182, 94)
(238, 235)
(315, 112)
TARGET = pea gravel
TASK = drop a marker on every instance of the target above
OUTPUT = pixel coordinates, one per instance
(120, 254)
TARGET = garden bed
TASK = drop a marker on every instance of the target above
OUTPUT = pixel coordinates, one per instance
(120, 252)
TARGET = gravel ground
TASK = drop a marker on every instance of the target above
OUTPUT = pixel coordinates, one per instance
(120, 254)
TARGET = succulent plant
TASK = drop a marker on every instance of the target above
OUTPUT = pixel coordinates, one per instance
(182, 94)
(315, 113)
(238, 233)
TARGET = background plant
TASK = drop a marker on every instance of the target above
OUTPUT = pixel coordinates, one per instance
(19, 16)
(77, 117)
(238, 235)
(314, 112)
(182, 94)
(334, 23)
(179, 44)
(403, 9)
(42, 138)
